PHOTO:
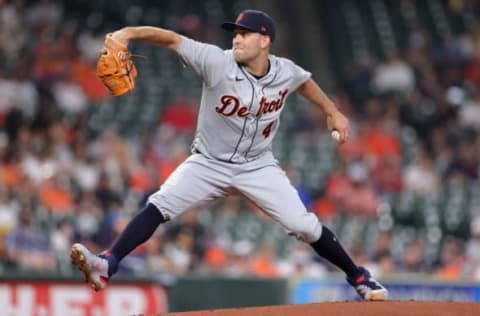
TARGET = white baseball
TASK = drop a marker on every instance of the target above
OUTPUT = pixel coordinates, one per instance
(336, 135)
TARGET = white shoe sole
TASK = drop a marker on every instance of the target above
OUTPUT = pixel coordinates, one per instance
(379, 295)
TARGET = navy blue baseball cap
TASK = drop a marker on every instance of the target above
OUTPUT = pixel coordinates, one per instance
(255, 21)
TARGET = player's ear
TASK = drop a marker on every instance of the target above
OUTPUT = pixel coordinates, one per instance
(265, 41)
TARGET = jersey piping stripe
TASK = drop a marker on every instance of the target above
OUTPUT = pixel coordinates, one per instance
(258, 118)
(246, 118)
(253, 138)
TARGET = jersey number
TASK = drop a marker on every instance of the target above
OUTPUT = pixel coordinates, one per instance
(267, 130)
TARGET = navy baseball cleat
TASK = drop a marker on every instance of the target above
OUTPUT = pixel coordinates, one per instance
(367, 287)
(95, 268)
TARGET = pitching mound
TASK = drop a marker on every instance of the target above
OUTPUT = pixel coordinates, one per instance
(389, 308)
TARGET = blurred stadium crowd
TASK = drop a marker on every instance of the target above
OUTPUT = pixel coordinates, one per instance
(403, 194)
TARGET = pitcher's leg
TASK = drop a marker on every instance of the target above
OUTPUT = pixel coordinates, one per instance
(193, 183)
(271, 190)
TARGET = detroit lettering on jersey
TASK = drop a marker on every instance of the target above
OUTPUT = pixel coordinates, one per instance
(239, 114)
(230, 105)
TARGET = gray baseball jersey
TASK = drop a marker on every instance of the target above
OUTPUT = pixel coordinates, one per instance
(238, 118)
(239, 114)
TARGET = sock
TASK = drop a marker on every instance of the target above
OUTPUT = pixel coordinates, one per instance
(328, 247)
(138, 230)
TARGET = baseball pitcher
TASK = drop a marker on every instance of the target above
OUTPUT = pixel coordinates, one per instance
(244, 91)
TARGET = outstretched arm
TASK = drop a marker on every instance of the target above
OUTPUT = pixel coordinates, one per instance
(335, 119)
(149, 34)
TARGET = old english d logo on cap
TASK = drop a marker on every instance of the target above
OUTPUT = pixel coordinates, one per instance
(253, 20)
(239, 18)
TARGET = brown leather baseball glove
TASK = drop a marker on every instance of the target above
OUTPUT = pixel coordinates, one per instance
(115, 67)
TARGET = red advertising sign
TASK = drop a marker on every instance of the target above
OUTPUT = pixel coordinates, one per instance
(65, 299)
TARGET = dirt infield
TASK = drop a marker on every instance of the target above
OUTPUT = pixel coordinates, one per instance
(389, 308)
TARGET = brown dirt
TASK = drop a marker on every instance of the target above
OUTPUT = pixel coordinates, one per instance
(388, 308)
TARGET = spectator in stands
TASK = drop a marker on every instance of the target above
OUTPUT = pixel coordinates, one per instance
(465, 162)
(82, 168)
(452, 259)
(420, 177)
(217, 260)
(26, 97)
(39, 164)
(378, 142)
(428, 85)
(68, 95)
(155, 259)
(381, 254)
(393, 75)
(264, 262)
(387, 175)
(54, 197)
(441, 151)
(418, 41)
(48, 58)
(87, 215)
(382, 246)
(470, 41)
(179, 251)
(413, 257)
(113, 217)
(44, 12)
(10, 171)
(359, 77)
(90, 40)
(469, 113)
(238, 254)
(7, 95)
(13, 33)
(27, 246)
(190, 226)
(9, 210)
(60, 239)
(351, 191)
(376, 137)
(385, 265)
